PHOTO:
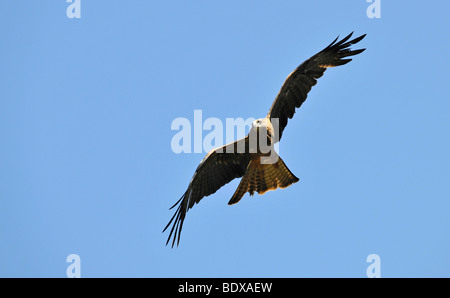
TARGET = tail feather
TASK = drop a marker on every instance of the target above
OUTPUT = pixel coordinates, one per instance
(262, 178)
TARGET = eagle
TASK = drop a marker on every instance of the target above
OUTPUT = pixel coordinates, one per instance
(253, 158)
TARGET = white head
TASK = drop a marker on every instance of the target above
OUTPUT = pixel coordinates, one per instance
(261, 122)
(261, 129)
(261, 138)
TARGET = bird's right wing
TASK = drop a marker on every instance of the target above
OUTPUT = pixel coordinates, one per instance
(219, 167)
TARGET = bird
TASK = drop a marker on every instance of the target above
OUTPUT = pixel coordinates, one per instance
(253, 157)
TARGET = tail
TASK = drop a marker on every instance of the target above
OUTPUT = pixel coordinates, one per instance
(262, 178)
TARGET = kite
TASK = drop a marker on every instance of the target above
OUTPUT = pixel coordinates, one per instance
(253, 157)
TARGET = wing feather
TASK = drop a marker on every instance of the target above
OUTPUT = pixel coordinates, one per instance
(219, 167)
(297, 85)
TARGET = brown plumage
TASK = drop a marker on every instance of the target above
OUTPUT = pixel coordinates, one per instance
(262, 178)
(260, 171)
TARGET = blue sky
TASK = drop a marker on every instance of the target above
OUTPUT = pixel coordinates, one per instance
(86, 165)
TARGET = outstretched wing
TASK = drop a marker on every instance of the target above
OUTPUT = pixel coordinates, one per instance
(297, 85)
(219, 167)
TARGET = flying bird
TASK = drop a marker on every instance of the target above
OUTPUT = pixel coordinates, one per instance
(253, 157)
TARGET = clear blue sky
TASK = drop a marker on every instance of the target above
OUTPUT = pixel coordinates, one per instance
(86, 166)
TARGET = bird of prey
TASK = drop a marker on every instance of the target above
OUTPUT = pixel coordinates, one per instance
(253, 157)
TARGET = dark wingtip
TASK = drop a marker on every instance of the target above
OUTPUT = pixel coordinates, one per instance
(343, 43)
(345, 38)
(332, 43)
(177, 202)
(175, 221)
(358, 39)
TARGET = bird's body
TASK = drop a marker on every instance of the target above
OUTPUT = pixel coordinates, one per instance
(253, 158)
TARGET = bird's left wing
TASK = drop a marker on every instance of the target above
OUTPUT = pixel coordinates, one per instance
(219, 167)
(297, 85)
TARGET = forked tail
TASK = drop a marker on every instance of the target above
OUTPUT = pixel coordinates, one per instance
(262, 178)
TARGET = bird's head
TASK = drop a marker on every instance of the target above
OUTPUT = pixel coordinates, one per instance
(259, 123)
(261, 127)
